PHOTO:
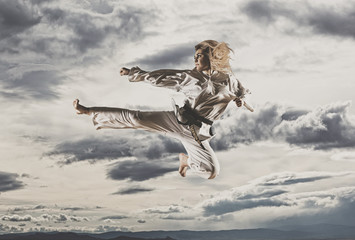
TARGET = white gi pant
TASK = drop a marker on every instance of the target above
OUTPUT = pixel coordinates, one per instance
(202, 162)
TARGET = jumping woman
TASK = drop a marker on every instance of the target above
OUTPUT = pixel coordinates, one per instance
(209, 88)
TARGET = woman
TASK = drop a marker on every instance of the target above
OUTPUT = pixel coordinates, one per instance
(208, 88)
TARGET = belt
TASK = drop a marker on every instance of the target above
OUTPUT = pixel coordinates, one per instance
(192, 118)
(194, 134)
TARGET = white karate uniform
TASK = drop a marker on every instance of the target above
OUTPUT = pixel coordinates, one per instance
(207, 95)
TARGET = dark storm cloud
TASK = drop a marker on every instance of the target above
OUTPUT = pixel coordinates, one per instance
(174, 217)
(333, 21)
(9, 182)
(39, 85)
(90, 31)
(227, 206)
(153, 153)
(93, 149)
(247, 127)
(171, 57)
(87, 33)
(264, 11)
(39, 2)
(133, 190)
(140, 170)
(323, 128)
(115, 217)
(73, 209)
(16, 16)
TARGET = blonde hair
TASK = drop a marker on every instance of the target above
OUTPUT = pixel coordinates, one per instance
(218, 55)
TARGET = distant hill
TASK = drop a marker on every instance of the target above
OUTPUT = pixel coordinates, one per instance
(67, 236)
(309, 232)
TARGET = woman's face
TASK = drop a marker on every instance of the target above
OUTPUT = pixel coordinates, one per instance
(202, 62)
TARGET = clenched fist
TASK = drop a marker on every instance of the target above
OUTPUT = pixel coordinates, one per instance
(239, 102)
(124, 71)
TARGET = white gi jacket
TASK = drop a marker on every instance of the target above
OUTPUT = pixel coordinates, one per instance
(207, 95)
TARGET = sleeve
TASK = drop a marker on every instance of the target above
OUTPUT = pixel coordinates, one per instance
(173, 79)
(237, 88)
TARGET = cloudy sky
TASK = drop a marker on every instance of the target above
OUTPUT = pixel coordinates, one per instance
(292, 161)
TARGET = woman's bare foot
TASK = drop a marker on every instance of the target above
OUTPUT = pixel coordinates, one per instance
(183, 164)
(80, 109)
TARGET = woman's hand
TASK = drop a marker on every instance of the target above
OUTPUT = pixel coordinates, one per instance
(239, 102)
(124, 71)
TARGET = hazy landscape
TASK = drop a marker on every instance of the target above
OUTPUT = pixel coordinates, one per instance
(321, 231)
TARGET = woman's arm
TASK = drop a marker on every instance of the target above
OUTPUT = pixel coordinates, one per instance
(240, 93)
(174, 79)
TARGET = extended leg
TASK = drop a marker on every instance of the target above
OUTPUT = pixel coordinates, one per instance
(80, 109)
(201, 161)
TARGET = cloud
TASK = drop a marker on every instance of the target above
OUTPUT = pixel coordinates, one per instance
(91, 149)
(107, 228)
(9, 182)
(114, 217)
(163, 210)
(333, 21)
(344, 156)
(171, 57)
(16, 16)
(133, 190)
(39, 85)
(73, 209)
(66, 34)
(326, 127)
(333, 206)
(17, 218)
(21, 209)
(155, 156)
(266, 192)
(289, 178)
(139, 170)
(10, 229)
(151, 146)
(239, 199)
(61, 218)
(264, 11)
(86, 30)
(271, 200)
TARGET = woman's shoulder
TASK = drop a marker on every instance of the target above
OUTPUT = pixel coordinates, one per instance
(220, 77)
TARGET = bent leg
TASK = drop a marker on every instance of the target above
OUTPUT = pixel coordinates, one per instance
(183, 164)
(202, 162)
